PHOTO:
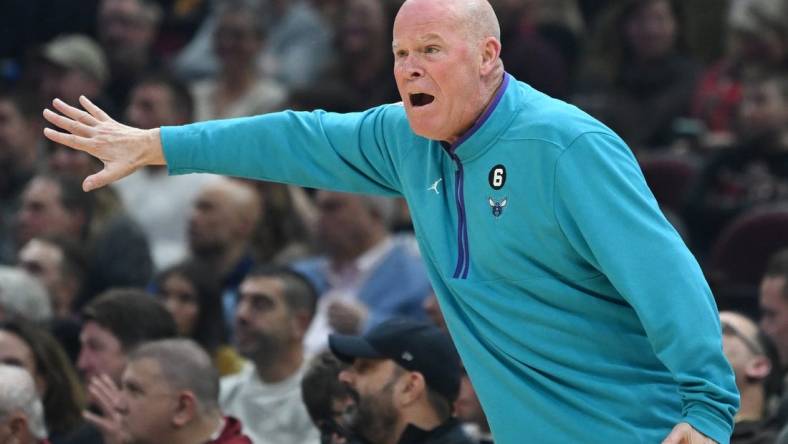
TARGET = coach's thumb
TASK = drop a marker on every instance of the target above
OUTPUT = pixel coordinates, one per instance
(677, 435)
(95, 181)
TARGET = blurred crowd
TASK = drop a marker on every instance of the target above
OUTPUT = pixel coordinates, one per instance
(199, 308)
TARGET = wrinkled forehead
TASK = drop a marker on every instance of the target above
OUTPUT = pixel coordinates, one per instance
(418, 20)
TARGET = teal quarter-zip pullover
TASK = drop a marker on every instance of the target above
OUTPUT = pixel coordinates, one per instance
(578, 311)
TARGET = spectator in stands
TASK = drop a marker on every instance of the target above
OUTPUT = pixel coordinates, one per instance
(405, 376)
(366, 275)
(190, 292)
(49, 208)
(220, 229)
(22, 295)
(637, 79)
(115, 323)
(74, 65)
(328, 400)
(127, 30)
(286, 225)
(180, 21)
(362, 67)
(60, 265)
(118, 253)
(64, 162)
(773, 301)
(21, 414)
(298, 45)
(433, 311)
(468, 409)
(562, 25)
(524, 44)
(757, 35)
(754, 171)
(755, 364)
(239, 89)
(28, 346)
(19, 154)
(274, 311)
(158, 202)
(169, 393)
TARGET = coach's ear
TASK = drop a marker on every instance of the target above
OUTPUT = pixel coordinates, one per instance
(491, 52)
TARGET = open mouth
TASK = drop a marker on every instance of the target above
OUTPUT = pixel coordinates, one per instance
(420, 99)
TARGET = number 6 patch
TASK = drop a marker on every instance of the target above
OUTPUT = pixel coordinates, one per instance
(497, 177)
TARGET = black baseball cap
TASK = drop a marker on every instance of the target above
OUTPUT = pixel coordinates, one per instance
(414, 345)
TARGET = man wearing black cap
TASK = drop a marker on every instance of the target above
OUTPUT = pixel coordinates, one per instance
(406, 376)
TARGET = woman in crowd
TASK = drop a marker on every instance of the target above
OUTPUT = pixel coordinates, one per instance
(29, 346)
(191, 294)
(239, 89)
(637, 80)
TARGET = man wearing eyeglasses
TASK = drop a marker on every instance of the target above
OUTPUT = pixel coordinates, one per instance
(753, 358)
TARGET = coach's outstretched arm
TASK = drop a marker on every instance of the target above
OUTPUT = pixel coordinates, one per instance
(122, 149)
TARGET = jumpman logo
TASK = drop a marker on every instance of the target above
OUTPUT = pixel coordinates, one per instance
(434, 186)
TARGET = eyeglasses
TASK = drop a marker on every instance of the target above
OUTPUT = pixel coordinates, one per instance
(752, 345)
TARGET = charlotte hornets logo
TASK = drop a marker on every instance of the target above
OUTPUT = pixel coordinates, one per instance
(497, 206)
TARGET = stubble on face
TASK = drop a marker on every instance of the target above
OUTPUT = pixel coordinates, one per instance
(376, 417)
(263, 348)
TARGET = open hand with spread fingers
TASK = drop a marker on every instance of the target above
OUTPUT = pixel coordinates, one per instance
(122, 149)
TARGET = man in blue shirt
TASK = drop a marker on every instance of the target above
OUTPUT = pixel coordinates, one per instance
(579, 313)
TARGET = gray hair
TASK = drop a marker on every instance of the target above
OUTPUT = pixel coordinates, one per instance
(184, 366)
(22, 295)
(18, 395)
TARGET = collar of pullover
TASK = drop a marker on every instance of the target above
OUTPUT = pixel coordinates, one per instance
(493, 121)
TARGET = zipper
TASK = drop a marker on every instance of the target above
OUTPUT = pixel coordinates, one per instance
(463, 253)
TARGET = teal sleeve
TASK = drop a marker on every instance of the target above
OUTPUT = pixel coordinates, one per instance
(610, 217)
(343, 152)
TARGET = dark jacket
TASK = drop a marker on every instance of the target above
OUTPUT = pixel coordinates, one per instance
(753, 432)
(450, 432)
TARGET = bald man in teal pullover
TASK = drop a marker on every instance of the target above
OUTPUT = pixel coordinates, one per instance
(578, 311)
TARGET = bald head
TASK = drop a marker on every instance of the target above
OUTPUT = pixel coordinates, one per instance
(241, 199)
(475, 17)
(225, 215)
